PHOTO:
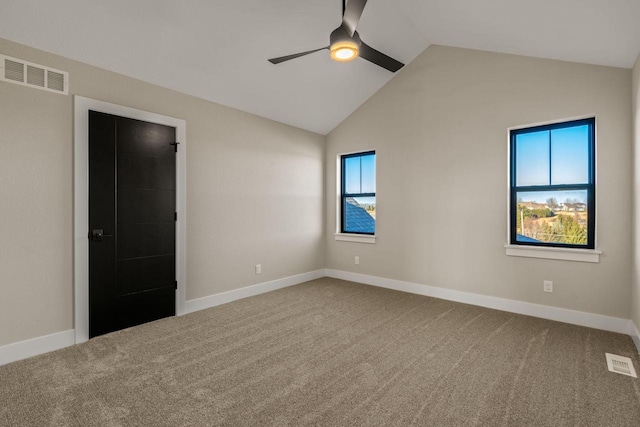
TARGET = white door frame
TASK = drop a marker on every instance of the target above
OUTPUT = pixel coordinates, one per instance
(82, 106)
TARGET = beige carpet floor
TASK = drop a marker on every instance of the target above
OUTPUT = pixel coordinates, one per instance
(330, 353)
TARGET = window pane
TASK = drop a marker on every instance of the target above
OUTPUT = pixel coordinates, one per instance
(360, 215)
(369, 174)
(532, 158)
(352, 175)
(570, 155)
(552, 217)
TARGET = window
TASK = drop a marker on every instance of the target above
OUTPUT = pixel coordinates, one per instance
(358, 193)
(552, 191)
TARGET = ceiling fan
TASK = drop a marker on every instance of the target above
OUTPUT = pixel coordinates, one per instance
(345, 43)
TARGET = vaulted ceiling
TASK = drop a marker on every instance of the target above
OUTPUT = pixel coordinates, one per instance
(218, 49)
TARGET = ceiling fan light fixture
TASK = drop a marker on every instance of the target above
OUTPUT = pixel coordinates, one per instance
(345, 43)
(344, 51)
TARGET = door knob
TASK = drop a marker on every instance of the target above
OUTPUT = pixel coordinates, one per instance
(97, 235)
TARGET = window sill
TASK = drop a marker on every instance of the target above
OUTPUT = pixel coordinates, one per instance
(358, 238)
(564, 254)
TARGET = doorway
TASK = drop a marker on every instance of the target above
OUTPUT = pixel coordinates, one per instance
(147, 203)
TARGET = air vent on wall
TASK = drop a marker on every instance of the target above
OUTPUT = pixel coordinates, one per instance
(25, 73)
(621, 365)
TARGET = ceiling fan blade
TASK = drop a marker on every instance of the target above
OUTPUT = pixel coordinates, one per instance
(295, 55)
(379, 58)
(352, 14)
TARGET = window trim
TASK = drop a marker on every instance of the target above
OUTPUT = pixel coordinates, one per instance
(340, 234)
(552, 250)
(563, 254)
(357, 238)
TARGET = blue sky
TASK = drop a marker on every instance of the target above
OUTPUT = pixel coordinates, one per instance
(569, 157)
(360, 174)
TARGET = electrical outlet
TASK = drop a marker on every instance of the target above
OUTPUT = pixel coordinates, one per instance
(356, 260)
(547, 285)
(258, 268)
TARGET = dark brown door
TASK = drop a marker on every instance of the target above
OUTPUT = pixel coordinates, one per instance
(132, 205)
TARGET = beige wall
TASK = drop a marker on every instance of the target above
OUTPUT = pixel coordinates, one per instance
(439, 129)
(635, 309)
(254, 194)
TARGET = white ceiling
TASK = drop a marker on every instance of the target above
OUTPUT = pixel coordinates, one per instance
(218, 49)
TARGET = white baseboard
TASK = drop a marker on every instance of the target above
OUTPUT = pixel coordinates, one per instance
(32, 347)
(35, 346)
(249, 291)
(596, 321)
(635, 334)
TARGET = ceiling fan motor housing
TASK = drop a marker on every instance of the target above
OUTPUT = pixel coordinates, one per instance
(341, 34)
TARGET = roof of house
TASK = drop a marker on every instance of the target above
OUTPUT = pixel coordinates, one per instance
(525, 239)
(357, 219)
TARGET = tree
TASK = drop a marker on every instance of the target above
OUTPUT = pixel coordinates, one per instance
(564, 230)
(552, 203)
(530, 216)
(541, 213)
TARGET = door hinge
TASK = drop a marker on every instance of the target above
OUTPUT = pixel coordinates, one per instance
(175, 216)
(175, 283)
(175, 145)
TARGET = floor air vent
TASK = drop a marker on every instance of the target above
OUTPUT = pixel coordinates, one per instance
(25, 73)
(620, 365)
